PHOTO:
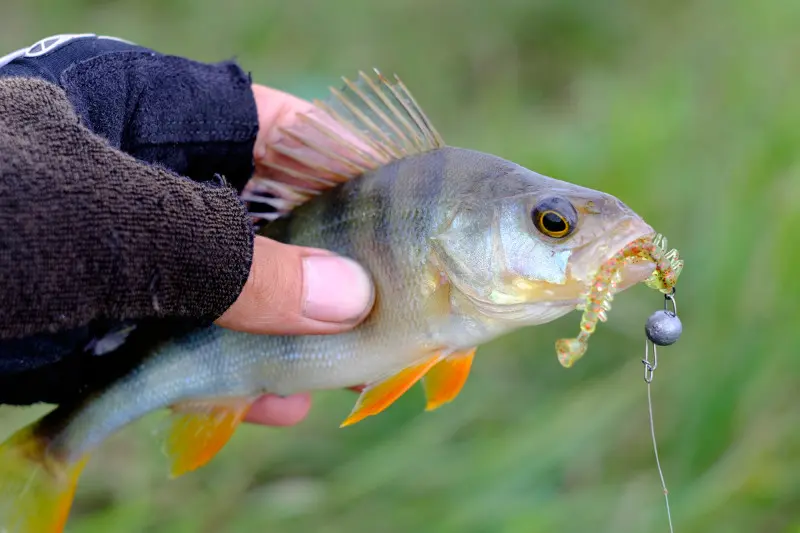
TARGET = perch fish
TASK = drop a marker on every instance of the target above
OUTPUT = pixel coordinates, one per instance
(463, 247)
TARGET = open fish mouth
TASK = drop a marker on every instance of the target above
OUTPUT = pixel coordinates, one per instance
(587, 262)
(642, 259)
(635, 269)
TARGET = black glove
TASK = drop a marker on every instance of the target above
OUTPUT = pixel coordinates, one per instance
(103, 253)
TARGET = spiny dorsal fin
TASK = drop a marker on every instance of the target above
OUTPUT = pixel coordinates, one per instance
(363, 126)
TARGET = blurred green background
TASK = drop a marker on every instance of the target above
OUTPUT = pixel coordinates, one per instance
(686, 110)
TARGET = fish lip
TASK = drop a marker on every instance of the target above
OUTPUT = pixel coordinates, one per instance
(623, 234)
(634, 273)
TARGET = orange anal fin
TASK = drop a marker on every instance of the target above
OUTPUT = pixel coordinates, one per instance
(445, 380)
(199, 429)
(36, 489)
(378, 396)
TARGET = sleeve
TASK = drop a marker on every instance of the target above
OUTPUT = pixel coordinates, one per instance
(195, 119)
(91, 233)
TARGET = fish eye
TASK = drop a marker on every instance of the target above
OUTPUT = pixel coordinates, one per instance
(555, 217)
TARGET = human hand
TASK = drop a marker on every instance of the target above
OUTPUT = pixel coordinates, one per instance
(293, 290)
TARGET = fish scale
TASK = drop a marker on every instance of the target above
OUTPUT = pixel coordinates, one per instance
(460, 252)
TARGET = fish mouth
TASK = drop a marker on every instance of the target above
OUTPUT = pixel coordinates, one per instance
(636, 272)
(586, 263)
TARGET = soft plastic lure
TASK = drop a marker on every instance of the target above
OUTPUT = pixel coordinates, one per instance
(668, 267)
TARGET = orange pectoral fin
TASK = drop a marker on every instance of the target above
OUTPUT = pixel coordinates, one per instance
(378, 396)
(445, 380)
(199, 429)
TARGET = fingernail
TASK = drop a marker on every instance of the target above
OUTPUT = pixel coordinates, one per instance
(337, 289)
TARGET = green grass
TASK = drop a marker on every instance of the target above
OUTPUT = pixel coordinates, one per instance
(688, 111)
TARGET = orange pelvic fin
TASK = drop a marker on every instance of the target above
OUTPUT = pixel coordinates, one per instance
(36, 489)
(199, 429)
(445, 380)
(378, 396)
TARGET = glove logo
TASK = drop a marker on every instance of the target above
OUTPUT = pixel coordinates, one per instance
(48, 44)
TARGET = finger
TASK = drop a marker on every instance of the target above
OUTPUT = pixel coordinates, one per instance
(294, 290)
(271, 410)
(277, 110)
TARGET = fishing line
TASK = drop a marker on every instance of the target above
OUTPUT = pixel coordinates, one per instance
(662, 329)
(655, 449)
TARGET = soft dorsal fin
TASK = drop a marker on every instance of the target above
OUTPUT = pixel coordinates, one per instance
(362, 126)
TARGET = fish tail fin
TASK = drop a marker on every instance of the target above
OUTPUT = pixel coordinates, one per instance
(36, 488)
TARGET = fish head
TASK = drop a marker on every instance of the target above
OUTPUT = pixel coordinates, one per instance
(527, 248)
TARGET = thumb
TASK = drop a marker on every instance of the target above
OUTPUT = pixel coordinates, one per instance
(294, 290)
